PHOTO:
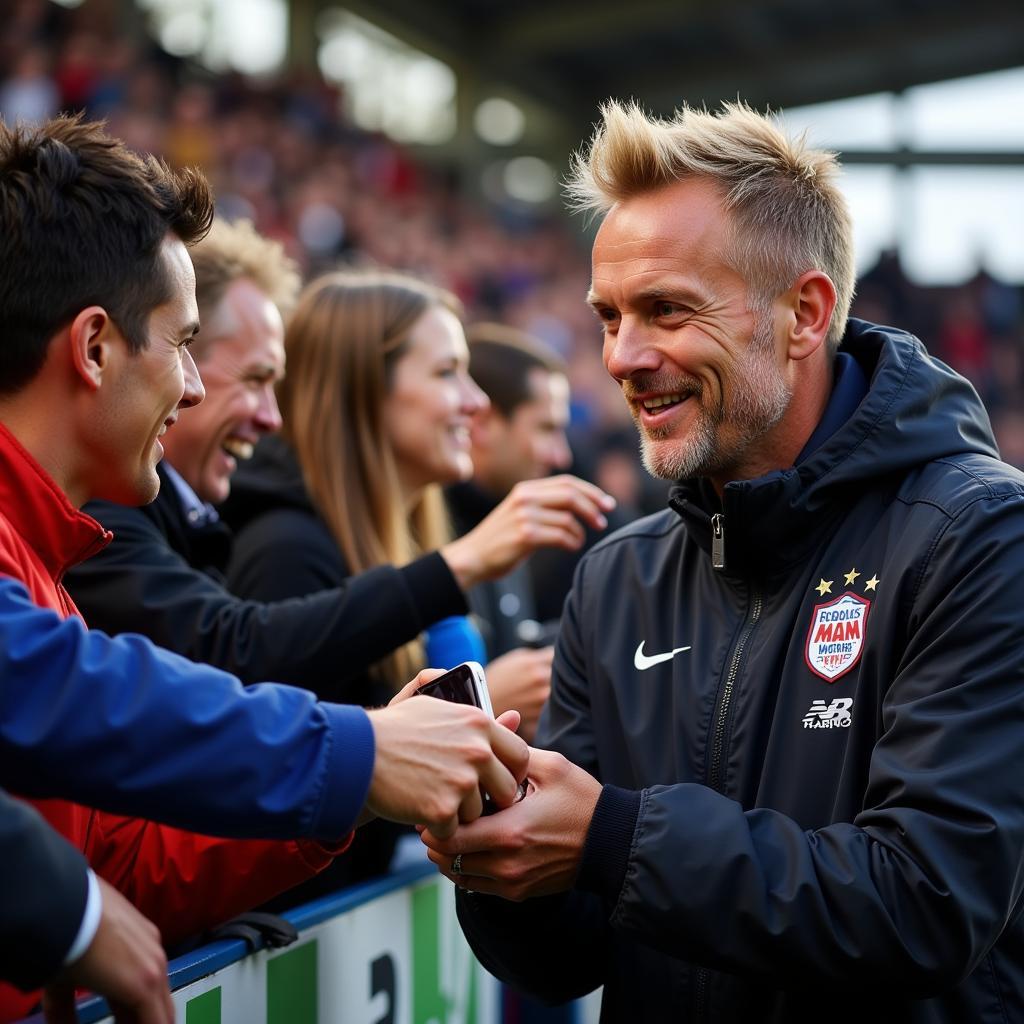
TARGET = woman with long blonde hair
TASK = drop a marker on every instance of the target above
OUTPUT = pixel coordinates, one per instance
(377, 404)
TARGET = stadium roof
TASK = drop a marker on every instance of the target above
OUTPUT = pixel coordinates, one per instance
(568, 55)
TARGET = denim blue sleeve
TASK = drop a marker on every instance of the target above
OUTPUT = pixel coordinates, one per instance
(124, 726)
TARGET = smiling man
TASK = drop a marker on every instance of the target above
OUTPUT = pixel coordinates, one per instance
(785, 718)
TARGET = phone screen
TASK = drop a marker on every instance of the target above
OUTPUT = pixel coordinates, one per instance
(456, 686)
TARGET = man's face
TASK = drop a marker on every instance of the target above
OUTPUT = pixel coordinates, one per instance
(531, 442)
(145, 392)
(241, 359)
(702, 371)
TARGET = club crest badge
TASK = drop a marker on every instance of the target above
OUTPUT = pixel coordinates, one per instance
(836, 637)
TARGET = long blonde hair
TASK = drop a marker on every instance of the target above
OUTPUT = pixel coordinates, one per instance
(346, 334)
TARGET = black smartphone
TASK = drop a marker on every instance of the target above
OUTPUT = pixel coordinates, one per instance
(467, 684)
(464, 684)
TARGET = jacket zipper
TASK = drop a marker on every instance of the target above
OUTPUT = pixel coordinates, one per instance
(718, 541)
(717, 745)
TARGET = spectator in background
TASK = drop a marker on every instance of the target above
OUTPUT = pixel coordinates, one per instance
(29, 94)
(518, 436)
(377, 406)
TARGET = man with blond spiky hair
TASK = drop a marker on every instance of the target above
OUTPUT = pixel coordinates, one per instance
(782, 775)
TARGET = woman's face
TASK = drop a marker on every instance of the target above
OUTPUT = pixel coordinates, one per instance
(432, 399)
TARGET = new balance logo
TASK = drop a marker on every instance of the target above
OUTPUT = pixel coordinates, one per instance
(829, 716)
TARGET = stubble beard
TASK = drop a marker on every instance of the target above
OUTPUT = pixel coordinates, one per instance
(755, 397)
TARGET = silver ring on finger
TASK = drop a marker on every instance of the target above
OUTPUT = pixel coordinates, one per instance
(457, 864)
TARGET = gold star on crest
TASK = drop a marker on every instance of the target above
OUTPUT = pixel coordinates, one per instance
(824, 587)
(871, 583)
(851, 576)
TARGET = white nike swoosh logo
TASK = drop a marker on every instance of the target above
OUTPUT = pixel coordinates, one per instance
(643, 661)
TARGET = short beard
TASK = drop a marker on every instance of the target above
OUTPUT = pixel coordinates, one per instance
(755, 397)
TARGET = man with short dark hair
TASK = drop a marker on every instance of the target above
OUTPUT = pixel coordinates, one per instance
(785, 720)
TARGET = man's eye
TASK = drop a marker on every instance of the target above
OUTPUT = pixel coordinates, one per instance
(665, 308)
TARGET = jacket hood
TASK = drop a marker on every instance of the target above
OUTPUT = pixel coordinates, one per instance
(271, 479)
(916, 410)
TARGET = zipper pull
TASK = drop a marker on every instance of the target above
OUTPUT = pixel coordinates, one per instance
(718, 541)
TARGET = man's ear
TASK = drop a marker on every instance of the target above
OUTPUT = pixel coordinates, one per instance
(811, 301)
(91, 337)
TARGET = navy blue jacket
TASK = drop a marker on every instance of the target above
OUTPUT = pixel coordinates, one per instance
(815, 810)
(43, 889)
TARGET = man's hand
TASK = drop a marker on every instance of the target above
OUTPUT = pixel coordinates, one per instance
(434, 757)
(535, 514)
(521, 679)
(125, 963)
(534, 847)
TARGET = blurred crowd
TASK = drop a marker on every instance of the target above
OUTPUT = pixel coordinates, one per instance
(282, 153)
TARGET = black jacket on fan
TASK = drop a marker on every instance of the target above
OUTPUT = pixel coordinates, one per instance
(813, 757)
(163, 577)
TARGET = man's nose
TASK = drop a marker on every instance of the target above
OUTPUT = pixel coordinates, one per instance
(268, 414)
(194, 391)
(629, 350)
(559, 453)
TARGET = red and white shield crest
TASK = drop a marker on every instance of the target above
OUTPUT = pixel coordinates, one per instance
(836, 637)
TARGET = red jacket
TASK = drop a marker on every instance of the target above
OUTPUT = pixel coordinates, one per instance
(182, 881)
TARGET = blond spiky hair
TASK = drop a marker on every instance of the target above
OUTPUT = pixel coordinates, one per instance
(788, 214)
(234, 250)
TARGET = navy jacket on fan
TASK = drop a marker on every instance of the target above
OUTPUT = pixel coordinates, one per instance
(43, 890)
(814, 802)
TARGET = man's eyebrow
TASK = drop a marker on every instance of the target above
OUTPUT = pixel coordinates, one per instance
(653, 293)
(665, 291)
(265, 370)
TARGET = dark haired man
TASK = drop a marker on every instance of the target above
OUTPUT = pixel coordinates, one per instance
(98, 302)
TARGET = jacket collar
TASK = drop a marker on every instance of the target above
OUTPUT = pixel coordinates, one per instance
(916, 410)
(60, 534)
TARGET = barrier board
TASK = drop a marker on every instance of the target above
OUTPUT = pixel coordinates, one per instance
(390, 952)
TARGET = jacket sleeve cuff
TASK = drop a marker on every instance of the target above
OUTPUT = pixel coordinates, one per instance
(435, 592)
(348, 771)
(609, 840)
(90, 922)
